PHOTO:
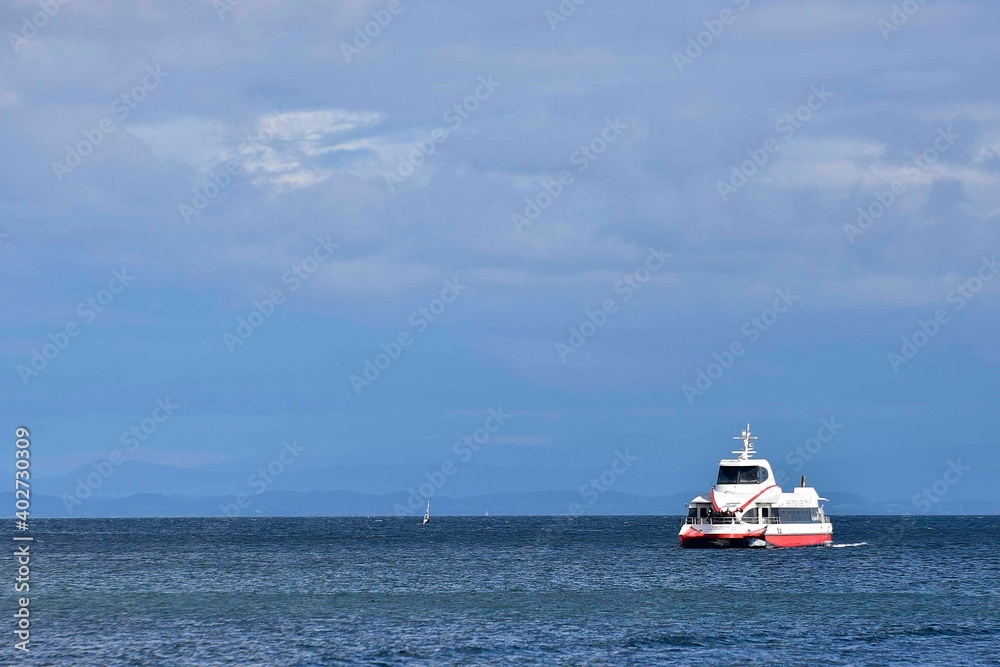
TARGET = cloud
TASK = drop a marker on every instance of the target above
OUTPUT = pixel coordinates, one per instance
(335, 128)
(281, 151)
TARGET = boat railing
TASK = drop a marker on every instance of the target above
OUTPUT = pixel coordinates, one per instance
(728, 520)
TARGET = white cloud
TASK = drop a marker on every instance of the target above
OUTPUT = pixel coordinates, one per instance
(845, 164)
(281, 151)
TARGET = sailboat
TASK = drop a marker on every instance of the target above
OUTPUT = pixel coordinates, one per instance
(427, 514)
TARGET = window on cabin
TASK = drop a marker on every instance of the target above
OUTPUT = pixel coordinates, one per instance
(795, 515)
(742, 475)
(729, 475)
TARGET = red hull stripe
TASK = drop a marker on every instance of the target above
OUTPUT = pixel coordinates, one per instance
(749, 502)
(719, 536)
(798, 540)
(774, 540)
(745, 505)
(693, 533)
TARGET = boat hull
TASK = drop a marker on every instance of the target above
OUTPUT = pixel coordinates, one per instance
(814, 540)
(721, 542)
(709, 539)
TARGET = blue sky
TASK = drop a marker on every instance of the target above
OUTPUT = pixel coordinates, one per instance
(479, 184)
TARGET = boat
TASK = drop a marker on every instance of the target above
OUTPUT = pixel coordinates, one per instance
(427, 515)
(747, 508)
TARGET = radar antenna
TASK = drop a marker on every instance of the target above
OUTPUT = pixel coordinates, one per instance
(747, 439)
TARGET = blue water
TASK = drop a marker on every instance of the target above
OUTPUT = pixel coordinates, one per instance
(506, 591)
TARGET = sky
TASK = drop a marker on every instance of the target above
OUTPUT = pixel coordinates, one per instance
(630, 226)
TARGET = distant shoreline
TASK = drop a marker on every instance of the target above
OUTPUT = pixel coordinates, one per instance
(457, 516)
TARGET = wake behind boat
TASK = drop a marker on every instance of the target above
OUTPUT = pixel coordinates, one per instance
(746, 509)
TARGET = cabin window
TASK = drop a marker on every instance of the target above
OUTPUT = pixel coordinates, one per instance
(794, 515)
(765, 512)
(742, 475)
(703, 512)
(692, 512)
(750, 516)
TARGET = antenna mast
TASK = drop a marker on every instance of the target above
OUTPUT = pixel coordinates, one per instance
(747, 439)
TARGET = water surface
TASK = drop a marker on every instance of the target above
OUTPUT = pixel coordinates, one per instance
(507, 590)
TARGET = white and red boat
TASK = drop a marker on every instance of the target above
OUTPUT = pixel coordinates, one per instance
(747, 508)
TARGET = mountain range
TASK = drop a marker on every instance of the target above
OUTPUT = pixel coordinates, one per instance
(251, 488)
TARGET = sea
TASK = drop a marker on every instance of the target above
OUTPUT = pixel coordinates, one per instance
(602, 590)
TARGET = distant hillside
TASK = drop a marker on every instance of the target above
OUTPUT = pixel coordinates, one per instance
(350, 503)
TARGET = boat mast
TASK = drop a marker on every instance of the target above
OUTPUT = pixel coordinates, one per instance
(747, 439)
